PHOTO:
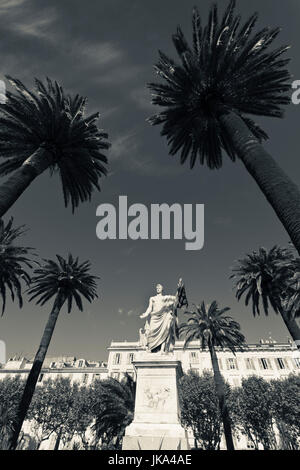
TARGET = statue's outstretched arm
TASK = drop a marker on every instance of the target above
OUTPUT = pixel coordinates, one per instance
(148, 311)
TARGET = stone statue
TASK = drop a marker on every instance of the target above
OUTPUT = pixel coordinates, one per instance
(160, 330)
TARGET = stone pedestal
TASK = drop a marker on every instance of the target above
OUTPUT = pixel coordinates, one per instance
(156, 423)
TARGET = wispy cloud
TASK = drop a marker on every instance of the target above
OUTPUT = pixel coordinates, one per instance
(125, 144)
(39, 27)
(127, 147)
(89, 53)
(8, 5)
(141, 96)
(99, 53)
(127, 313)
(119, 74)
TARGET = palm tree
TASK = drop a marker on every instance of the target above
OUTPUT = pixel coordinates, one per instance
(118, 399)
(226, 75)
(65, 280)
(263, 277)
(213, 328)
(291, 287)
(44, 129)
(13, 262)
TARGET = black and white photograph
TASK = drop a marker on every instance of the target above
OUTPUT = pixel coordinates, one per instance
(149, 228)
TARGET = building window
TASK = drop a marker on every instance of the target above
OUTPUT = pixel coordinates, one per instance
(194, 357)
(85, 379)
(115, 375)
(96, 376)
(249, 364)
(297, 362)
(41, 377)
(130, 358)
(117, 359)
(265, 363)
(80, 364)
(231, 363)
(195, 371)
(52, 365)
(280, 363)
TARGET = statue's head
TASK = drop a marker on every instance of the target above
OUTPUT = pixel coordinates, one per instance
(159, 288)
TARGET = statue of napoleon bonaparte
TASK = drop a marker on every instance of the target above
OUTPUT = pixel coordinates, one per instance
(161, 328)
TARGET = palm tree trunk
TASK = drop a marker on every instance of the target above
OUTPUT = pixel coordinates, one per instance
(34, 373)
(21, 178)
(278, 188)
(292, 326)
(57, 442)
(220, 389)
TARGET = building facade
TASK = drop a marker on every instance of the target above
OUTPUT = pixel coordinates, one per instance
(77, 370)
(267, 359)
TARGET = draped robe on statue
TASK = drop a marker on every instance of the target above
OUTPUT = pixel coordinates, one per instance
(162, 322)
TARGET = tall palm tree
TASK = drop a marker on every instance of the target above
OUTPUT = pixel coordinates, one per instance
(47, 128)
(118, 399)
(65, 280)
(226, 75)
(13, 262)
(213, 328)
(263, 277)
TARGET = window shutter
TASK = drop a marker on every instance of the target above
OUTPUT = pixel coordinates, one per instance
(297, 362)
(277, 363)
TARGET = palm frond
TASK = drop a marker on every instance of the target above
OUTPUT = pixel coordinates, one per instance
(65, 279)
(49, 117)
(118, 399)
(210, 325)
(227, 68)
(265, 278)
(14, 263)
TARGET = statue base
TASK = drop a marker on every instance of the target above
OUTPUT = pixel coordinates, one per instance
(156, 424)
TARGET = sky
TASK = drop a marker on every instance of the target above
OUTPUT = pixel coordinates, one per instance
(106, 51)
